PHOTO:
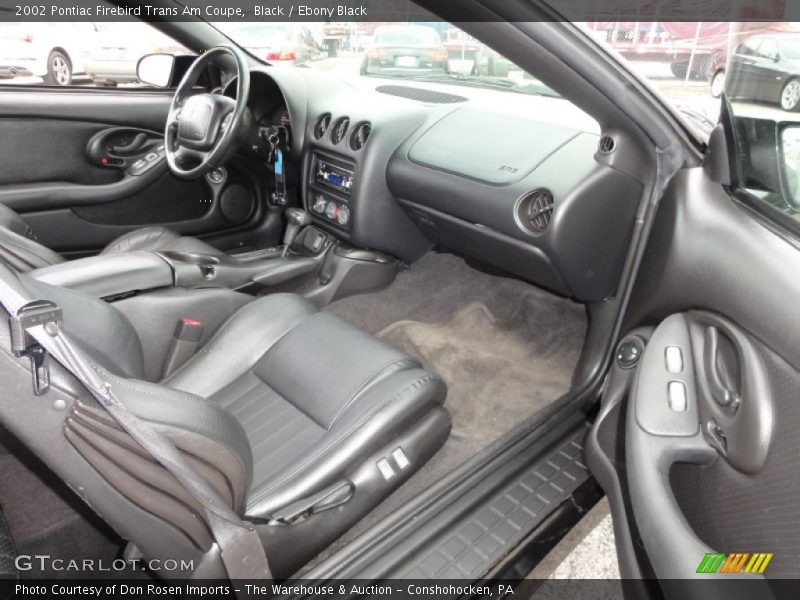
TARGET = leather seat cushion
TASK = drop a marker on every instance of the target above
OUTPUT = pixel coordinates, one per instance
(157, 238)
(19, 246)
(301, 382)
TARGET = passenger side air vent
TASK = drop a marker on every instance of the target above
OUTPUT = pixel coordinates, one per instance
(360, 136)
(534, 211)
(606, 144)
(339, 130)
(321, 127)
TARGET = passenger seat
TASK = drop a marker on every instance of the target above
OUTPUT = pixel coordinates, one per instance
(300, 420)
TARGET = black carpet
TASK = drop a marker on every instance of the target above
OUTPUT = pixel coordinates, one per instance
(506, 349)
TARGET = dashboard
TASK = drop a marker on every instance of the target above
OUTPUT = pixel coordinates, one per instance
(401, 167)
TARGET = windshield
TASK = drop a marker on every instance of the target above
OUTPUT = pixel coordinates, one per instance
(409, 36)
(258, 34)
(435, 52)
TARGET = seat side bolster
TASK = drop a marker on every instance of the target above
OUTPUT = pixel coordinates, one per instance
(24, 253)
(240, 343)
(383, 411)
(186, 412)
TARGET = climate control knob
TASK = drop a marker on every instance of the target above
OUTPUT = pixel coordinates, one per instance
(319, 204)
(344, 215)
(332, 211)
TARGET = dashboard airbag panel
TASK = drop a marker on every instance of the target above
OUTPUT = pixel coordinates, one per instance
(488, 147)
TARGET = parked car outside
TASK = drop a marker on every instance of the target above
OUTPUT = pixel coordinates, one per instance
(282, 44)
(399, 49)
(53, 51)
(117, 48)
(767, 69)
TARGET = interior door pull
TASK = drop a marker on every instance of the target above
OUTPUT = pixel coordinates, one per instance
(135, 144)
(720, 391)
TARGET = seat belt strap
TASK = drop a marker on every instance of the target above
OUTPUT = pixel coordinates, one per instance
(240, 545)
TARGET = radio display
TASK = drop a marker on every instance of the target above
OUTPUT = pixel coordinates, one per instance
(333, 176)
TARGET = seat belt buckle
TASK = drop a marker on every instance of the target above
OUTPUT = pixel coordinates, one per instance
(33, 314)
(185, 340)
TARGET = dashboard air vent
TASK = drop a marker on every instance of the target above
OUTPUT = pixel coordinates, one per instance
(321, 127)
(339, 130)
(606, 144)
(360, 136)
(535, 210)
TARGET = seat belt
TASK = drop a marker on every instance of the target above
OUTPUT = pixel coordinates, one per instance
(240, 546)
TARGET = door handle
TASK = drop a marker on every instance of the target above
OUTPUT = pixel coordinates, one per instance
(720, 389)
(127, 149)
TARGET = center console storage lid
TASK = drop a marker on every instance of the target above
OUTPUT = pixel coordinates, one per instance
(109, 274)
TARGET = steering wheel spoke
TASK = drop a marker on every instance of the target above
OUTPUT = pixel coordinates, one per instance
(202, 129)
(186, 156)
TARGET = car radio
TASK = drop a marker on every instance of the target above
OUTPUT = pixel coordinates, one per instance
(334, 176)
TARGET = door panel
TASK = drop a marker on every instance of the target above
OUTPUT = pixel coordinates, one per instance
(70, 163)
(718, 281)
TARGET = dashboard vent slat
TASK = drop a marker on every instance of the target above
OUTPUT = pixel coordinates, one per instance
(534, 211)
(339, 129)
(321, 126)
(360, 136)
(606, 145)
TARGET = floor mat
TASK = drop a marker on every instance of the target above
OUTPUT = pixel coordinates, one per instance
(498, 372)
(506, 349)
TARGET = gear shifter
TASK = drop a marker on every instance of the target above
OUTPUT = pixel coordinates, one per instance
(296, 219)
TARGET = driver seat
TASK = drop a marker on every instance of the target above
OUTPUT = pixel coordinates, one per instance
(21, 249)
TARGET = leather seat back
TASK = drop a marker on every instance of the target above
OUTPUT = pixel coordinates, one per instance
(77, 439)
(19, 246)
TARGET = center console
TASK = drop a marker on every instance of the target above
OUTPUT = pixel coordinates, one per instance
(311, 262)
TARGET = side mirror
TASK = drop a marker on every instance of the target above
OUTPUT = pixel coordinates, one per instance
(156, 69)
(789, 163)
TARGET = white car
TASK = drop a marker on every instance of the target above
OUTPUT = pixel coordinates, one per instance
(53, 51)
(117, 48)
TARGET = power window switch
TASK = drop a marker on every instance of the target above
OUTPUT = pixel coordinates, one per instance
(676, 395)
(674, 359)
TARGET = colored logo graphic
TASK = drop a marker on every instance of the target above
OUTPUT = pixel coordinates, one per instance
(737, 562)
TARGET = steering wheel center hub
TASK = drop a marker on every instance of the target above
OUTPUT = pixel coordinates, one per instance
(200, 120)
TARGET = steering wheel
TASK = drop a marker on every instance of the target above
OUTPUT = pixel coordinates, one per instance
(203, 130)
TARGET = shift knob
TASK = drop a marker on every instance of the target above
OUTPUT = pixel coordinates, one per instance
(296, 219)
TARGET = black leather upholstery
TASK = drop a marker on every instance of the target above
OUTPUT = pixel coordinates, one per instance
(19, 246)
(310, 374)
(281, 403)
(21, 249)
(157, 238)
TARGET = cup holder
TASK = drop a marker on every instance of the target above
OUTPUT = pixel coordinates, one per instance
(191, 258)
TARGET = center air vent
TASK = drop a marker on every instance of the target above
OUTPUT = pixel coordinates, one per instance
(606, 144)
(534, 211)
(339, 130)
(360, 136)
(322, 125)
